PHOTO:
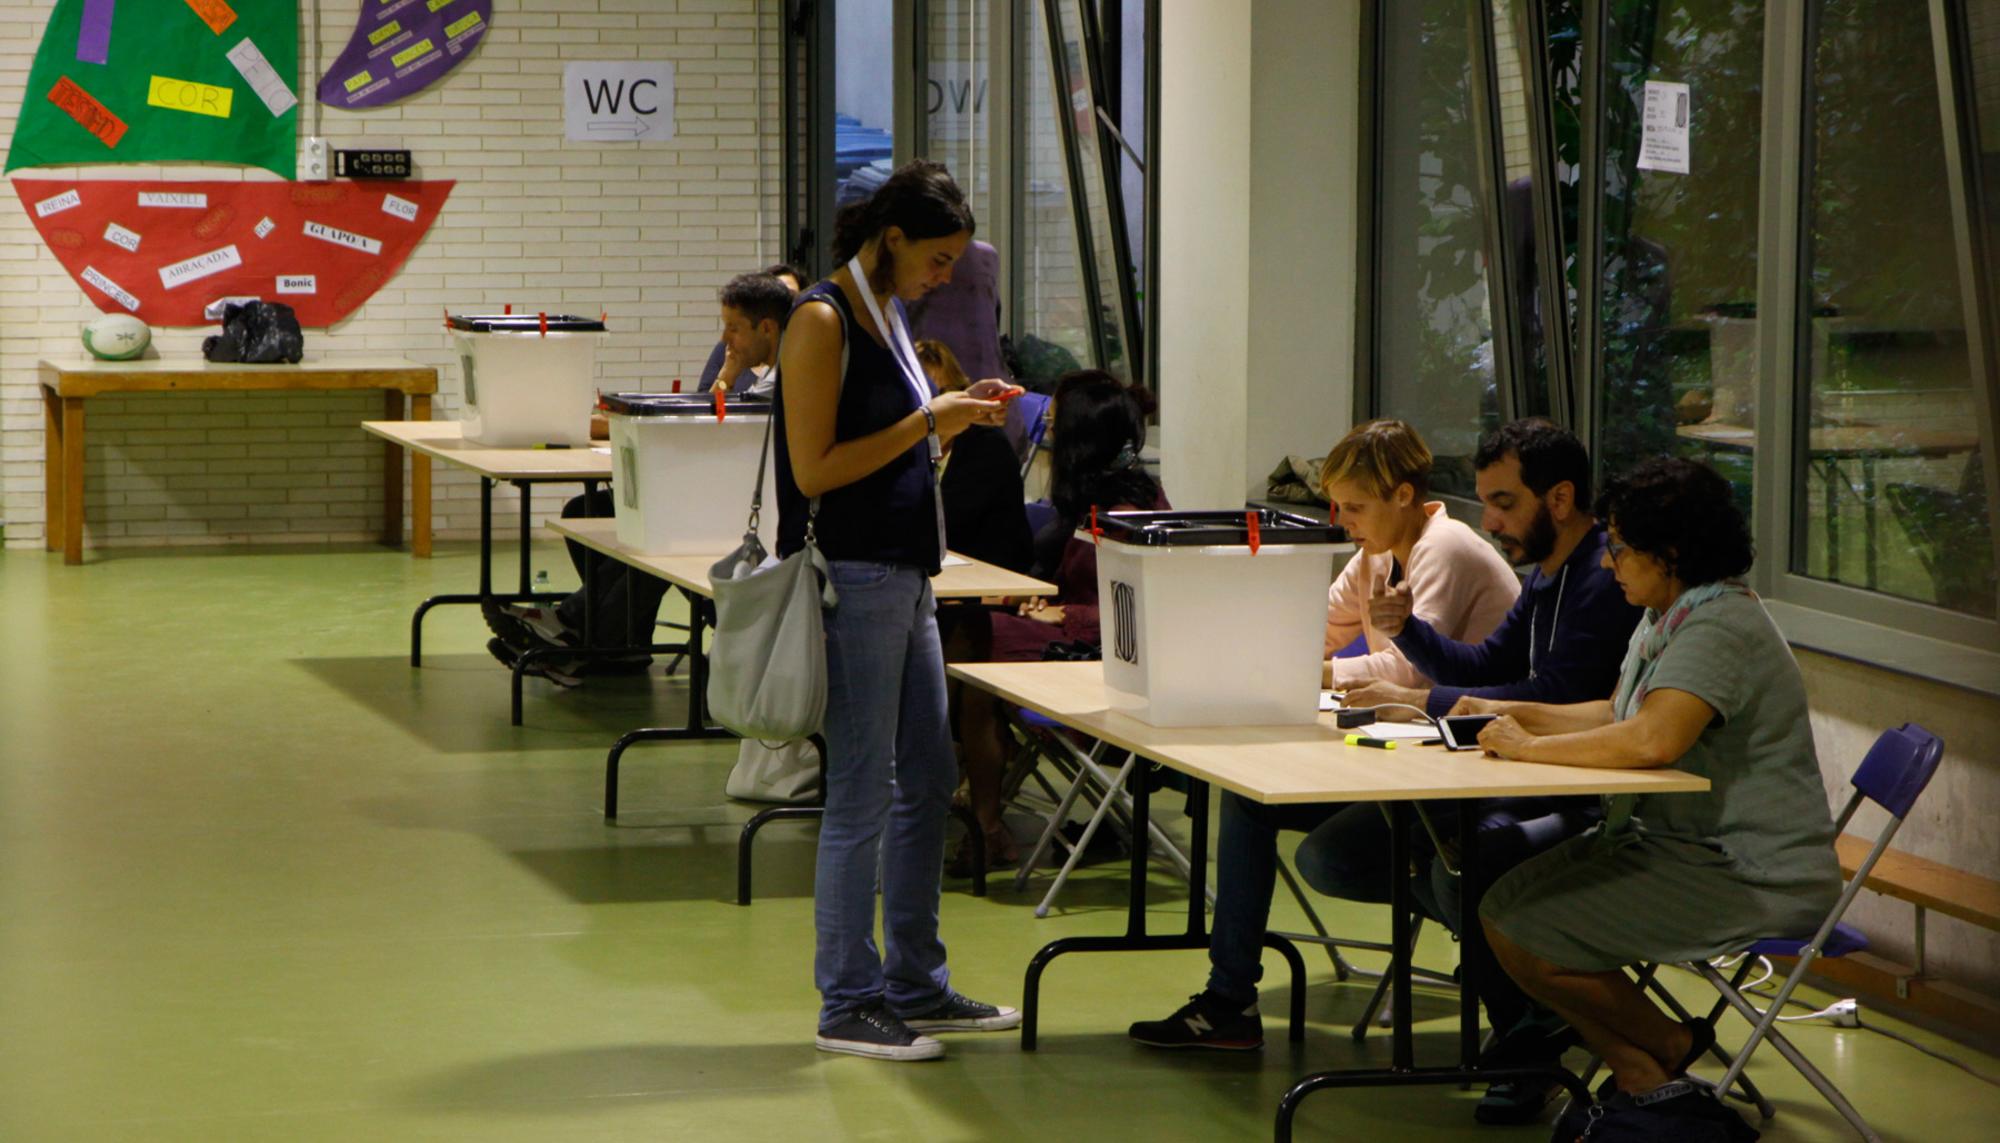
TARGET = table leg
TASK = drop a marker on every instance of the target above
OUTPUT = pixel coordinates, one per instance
(392, 473)
(420, 485)
(52, 470)
(72, 463)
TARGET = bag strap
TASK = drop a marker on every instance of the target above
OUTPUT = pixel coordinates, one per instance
(777, 398)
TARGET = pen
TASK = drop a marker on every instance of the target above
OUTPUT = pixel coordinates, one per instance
(551, 444)
(1376, 743)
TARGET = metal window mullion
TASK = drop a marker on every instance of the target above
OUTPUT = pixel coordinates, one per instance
(1368, 200)
(1784, 252)
(1545, 196)
(1000, 140)
(1114, 190)
(1150, 362)
(918, 102)
(1594, 17)
(1509, 367)
(1086, 247)
(1958, 106)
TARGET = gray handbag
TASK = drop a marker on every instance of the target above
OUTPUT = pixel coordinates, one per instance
(767, 671)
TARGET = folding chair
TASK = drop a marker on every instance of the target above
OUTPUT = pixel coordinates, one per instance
(1895, 771)
(1085, 768)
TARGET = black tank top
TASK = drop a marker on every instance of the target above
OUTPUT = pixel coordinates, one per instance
(890, 515)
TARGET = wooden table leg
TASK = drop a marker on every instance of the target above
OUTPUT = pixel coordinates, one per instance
(392, 472)
(72, 464)
(420, 485)
(52, 470)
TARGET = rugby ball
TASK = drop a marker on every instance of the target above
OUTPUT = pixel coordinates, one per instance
(116, 337)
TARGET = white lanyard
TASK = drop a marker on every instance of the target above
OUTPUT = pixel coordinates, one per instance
(900, 347)
(1561, 586)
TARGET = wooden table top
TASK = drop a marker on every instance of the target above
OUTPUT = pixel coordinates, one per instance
(445, 441)
(88, 376)
(974, 579)
(1294, 764)
(1845, 440)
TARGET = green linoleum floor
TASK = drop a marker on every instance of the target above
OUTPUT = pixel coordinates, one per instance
(259, 879)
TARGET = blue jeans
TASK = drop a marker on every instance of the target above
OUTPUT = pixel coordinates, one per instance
(890, 774)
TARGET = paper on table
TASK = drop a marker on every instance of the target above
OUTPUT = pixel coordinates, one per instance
(951, 561)
(1398, 730)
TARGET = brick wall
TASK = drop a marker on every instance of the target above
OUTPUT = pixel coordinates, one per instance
(645, 231)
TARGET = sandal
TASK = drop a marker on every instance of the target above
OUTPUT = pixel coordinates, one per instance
(1704, 1039)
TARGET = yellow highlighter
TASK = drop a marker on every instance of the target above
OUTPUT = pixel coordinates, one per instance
(1376, 743)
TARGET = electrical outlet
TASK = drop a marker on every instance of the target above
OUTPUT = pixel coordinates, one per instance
(1845, 1014)
(316, 152)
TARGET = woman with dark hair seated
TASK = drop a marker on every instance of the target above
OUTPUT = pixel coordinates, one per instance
(1099, 428)
(1708, 686)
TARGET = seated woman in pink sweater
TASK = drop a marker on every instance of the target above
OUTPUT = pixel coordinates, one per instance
(1376, 478)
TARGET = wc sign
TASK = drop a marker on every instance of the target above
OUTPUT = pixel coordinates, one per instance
(618, 101)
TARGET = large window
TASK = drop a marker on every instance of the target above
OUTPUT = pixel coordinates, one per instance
(1433, 360)
(1889, 492)
(1779, 236)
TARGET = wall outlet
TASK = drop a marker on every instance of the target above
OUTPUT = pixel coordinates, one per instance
(316, 158)
(1845, 1014)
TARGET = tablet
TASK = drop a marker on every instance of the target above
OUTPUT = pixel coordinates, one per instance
(1461, 731)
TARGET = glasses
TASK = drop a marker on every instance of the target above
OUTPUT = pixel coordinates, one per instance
(1615, 549)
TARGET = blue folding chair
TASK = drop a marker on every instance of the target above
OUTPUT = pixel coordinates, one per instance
(1895, 771)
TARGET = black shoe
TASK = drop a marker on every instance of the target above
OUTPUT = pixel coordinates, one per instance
(956, 1013)
(873, 1031)
(1205, 1021)
(498, 648)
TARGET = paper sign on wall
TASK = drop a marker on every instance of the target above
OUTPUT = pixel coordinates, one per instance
(618, 101)
(1663, 143)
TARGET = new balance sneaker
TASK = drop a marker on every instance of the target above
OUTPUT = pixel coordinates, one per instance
(513, 630)
(1205, 1021)
(956, 1013)
(875, 1032)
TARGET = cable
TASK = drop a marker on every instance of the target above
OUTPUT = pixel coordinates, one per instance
(1933, 1053)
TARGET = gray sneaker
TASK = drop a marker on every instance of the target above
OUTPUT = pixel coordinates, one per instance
(875, 1032)
(956, 1013)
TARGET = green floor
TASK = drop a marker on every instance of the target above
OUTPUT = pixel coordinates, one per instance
(259, 879)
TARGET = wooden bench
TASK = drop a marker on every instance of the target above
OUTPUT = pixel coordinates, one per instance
(67, 383)
(1930, 887)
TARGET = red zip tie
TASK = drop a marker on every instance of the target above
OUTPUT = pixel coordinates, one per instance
(720, 394)
(545, 323)
(1256, 531)
(677, 385)
(508, 308)
(1095, 532)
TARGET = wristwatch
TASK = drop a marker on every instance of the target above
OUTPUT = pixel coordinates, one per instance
(930, 419)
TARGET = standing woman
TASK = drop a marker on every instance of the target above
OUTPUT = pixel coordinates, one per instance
(860, 435)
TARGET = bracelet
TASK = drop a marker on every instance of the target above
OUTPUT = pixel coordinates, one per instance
(930, 419)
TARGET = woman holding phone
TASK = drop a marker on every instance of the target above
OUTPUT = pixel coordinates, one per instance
(860, 434)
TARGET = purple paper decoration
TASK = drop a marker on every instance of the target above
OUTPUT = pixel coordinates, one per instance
(93, 35)
(401, 47)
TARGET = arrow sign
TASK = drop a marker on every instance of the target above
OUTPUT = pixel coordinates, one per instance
(606, 101)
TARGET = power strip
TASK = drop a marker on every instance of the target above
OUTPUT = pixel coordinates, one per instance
(1845, 1013)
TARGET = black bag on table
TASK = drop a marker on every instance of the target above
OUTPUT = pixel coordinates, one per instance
(257, 333)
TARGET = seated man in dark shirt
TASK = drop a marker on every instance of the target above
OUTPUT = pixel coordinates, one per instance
(754, 309)
(1562, 641)
(726, 364)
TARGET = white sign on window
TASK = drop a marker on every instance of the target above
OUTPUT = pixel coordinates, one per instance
(1663, 143)
(618, 101)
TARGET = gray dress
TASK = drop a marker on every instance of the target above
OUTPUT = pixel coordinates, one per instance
(1694, 876)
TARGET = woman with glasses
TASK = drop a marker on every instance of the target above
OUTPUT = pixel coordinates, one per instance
(1709, 687)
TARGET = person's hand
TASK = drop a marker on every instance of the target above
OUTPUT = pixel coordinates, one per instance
(994, 389)
(956, 412)
(729, 371)
(1389, 609)
(1504, 738)
(1375, 692)
(1466, 704)
(1043, 611)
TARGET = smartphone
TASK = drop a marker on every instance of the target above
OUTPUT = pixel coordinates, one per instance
(1461, 731)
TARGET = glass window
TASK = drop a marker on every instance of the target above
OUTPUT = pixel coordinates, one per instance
(1678, 306)
(956, 119)
(1433, 337)
(1050, 321)
(1527, 35)
(1889, 488)
(1092, 181)
(864, 98)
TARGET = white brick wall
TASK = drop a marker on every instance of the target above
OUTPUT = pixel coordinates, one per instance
(645, 231)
